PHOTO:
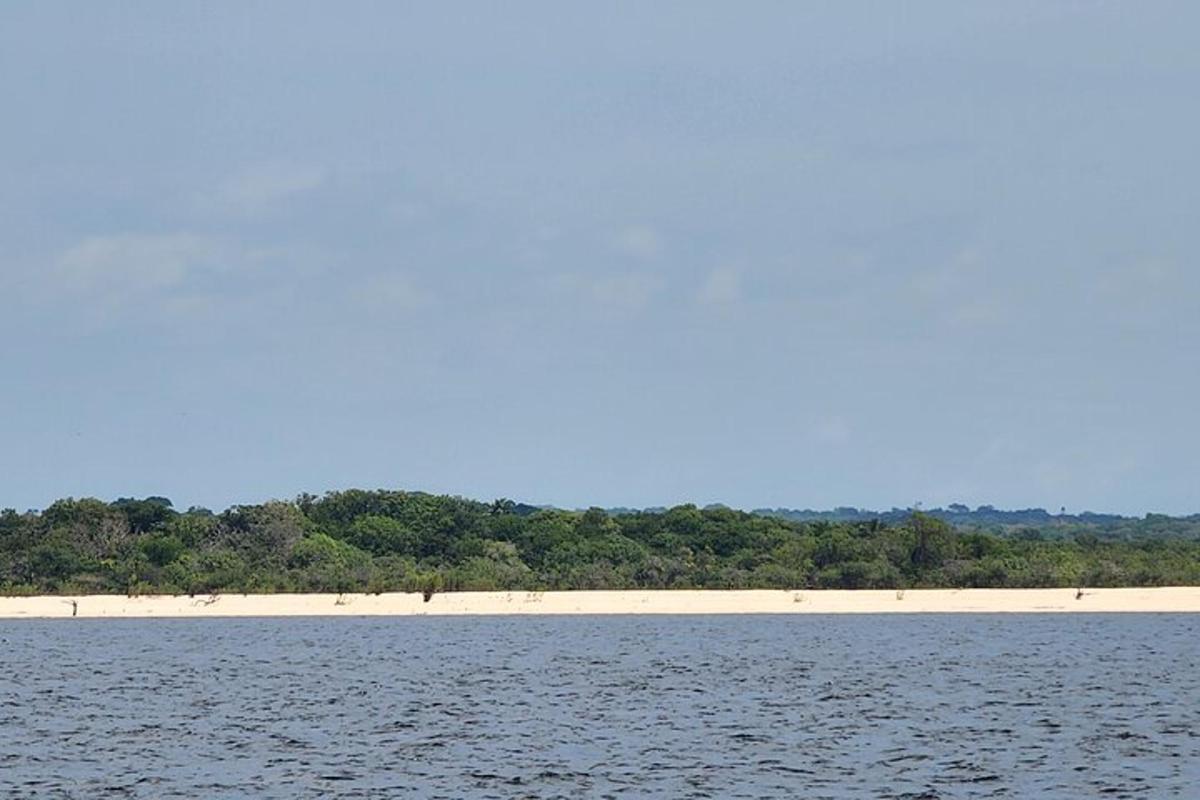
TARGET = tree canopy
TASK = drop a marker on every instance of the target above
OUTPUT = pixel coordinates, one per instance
(374, 541)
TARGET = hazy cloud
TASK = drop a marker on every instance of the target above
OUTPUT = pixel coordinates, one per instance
(965, 223)
(620, 291)
(952, 281)
(722, 286)
(639, 241)
(1148, 291)
(263, 186)
(131, 262)
(390, 291)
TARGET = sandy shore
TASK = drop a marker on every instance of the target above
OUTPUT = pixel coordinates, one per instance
(1171, 599)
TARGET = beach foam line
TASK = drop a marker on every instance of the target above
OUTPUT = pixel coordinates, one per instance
(1176, 599)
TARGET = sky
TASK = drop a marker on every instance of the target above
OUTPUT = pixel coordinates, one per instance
(764, 253)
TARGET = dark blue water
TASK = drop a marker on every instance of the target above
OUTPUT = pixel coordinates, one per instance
(806, 706)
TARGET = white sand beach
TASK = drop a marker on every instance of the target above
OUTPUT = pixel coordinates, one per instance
(1182, 599)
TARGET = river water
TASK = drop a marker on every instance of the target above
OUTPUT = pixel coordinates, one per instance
(928, 706)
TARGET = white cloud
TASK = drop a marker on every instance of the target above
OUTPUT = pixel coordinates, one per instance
(1147, 292)
(123, 263)
(627, 291)
(722, 286)
(172, 277)
(624, 291)
(966, 292)
(390, 291)
(639, 241)
(952, 280)
(258, 188)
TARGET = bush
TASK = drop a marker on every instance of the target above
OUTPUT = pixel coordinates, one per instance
(161, 550)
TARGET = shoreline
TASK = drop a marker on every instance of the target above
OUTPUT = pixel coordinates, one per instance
(1173, 599)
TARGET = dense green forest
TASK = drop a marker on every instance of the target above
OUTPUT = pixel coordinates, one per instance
(1023, 522)
(375, 541)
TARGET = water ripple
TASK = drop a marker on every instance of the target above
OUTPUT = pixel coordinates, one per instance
(687, 707)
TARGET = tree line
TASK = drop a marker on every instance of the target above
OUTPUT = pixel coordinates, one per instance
(377, 541)
(1026, 522)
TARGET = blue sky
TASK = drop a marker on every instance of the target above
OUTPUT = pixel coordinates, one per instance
(800, 254)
